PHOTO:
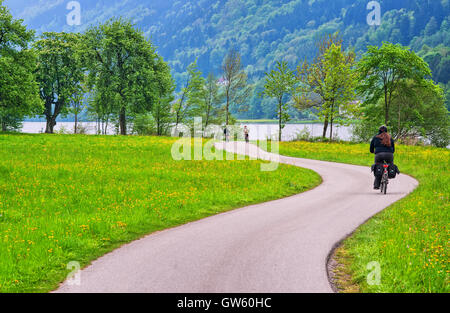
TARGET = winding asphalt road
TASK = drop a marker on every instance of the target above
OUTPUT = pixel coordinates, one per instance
(278, 246)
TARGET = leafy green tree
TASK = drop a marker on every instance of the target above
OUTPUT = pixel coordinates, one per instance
(180, 106)
(431, 27)
(280, 84)
(438, 58)
(191, 97)
(10, 120)
(381, 70)
(143, 124)
(416, 111)
(77, 106)
(420, 111)
(339, 85)
(213, 97)
(312, 91)
(235, 84)
(122, 69)
(158, 121)
(162, 116)
(161, 110)
(160, 93)
(100, 107)
(196, 94)
(19, 93)
(446, 89)
(60, 74)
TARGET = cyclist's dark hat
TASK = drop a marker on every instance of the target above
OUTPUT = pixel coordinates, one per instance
(383, 129)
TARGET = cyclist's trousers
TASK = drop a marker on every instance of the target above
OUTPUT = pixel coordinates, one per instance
(380, 158)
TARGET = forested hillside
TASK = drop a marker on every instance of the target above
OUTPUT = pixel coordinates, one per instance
(264, 31)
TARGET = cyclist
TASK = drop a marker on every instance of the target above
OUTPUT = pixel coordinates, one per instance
(384, 147)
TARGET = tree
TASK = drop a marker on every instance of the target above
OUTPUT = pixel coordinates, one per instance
(196, 91)
(381, 70)
(124, 69)
(77, 106)
(419, 110)
(162, 116)
(431, 27)
(161, 111)
(157, 89)
(180, 107)
(19, 93)
(191, 97)
(100, 107)
(160, 93)
(339, 85)
(213, 97)
(235, 83)
(60, 73)
(311, 91)
(280, 84)
(416, 111)
(10, 120)
(446, 89)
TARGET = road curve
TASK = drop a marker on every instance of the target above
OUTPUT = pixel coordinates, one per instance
(277, 246)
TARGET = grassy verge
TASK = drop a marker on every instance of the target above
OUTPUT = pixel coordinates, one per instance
(410, 239)
(70, 198)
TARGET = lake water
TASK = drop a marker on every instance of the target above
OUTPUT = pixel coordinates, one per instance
(257, 131)
(68, 127)
(291, 131)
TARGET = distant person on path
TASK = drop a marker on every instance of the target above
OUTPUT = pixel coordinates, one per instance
(246, 132)
(384, 147)
(225, 133)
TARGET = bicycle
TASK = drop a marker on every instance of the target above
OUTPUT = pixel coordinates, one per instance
(384, 179)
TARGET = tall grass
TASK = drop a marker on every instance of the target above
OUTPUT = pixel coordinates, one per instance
(70, 198)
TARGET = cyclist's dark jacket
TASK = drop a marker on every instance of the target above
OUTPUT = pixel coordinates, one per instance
(377, 147)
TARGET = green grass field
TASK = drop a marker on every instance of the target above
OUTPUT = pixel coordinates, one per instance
(410, 239)
(70, 198)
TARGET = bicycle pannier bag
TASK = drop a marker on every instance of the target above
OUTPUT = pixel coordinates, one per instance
(393, 171)
(377, 170)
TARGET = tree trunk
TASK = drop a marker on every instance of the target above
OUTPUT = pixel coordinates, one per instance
(158, 123)
(279, 123)
(386, 106)
(3, 125)
(331, 120)
(325, 127)
(207, 117)
(51, 123)
(76, 123)
(105, 131)
(399, 124)
(123, 122)
(227, 108)
(52, 115)
(331, 130)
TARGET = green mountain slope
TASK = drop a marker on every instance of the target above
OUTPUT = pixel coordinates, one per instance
(265, 31)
